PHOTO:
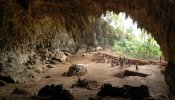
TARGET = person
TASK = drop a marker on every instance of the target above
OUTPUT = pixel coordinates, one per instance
(112, 62)
(117, 63)
(137, 66)
(106, 60)
(121, 64)
(129, 63)
(160, 61)
(124, 61)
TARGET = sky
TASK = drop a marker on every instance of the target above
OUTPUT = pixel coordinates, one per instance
(127, 22)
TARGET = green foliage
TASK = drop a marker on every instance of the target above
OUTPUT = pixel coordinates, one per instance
(126, 42)
(107, 35)
(136, 49)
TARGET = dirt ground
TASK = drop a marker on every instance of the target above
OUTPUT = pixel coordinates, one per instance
(101, 72)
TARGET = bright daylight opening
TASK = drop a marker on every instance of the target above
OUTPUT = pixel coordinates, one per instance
(131, 40)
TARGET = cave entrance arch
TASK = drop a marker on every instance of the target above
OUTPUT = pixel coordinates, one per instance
(127, 38)
(156, 16)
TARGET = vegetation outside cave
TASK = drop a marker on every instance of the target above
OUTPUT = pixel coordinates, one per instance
(130, 40)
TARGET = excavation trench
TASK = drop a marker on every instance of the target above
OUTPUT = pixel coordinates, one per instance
(127, 73)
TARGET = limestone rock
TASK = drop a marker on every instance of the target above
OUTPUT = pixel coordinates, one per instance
(2, 98)
(76, 70)
(130, 92)
(67, 54)
(99, 48)
(50, 66)
(7, 79)
(19, 91)
(39, 70)
(89, 84)
(2, 83)
(52, 92)
(47, 76)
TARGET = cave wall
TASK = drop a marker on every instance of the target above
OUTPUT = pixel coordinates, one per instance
(156, 16)
(24, 36)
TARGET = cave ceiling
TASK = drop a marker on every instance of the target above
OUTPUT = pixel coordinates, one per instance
(156, 16)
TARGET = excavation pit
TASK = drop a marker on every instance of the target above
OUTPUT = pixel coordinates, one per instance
(127, 73)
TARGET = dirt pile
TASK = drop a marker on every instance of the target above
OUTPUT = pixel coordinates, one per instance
(107, 58)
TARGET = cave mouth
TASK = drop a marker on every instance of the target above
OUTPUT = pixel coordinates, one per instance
(31, 26)
(131, 40)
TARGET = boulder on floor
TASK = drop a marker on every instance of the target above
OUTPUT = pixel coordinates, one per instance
(129, 92)
(138, 93)
(52, 92)
(2, 98)
(89, 84)
(60, 57)
(76, 70)
(67, 53)
(20, 91)
(53, 57)
(2, 83)
(7, 79)
(50, 66)
(99, 48)
(14, 73)
(109, 90)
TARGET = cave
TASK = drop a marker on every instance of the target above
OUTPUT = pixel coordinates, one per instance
(31, 25)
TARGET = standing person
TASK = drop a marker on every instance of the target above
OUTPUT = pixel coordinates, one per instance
(137, 66)
(121, 64)
(160, 61)
(117, 63)
(129, 63)
(106, 60)
(112, 62)
(124, 61)
(120, 60)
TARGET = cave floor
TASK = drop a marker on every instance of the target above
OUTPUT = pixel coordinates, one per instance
(101, 72)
